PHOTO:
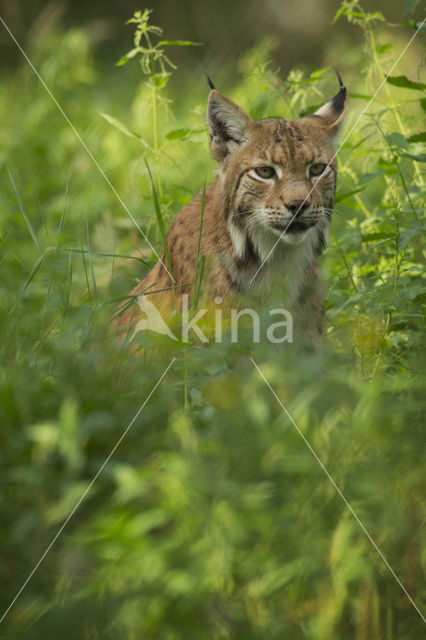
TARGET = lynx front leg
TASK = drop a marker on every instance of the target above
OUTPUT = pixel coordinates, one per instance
(309, 310)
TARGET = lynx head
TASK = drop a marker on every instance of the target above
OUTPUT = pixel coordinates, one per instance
(278, 176)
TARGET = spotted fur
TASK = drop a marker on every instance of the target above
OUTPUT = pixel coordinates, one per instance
(260, 236)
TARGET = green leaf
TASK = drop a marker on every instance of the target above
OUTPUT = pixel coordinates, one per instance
(24, 215)
(159, 215)
(158, 80)
(397, 140)
(382, 48)
(130, 54)
(343, 196)
(178, 134)
(419, 158)
(119, 125)
(418, 137)
(378, 235)
(423, 103)
(361, 96)
(318, 73)
(405, 83)
(337, 15)
(377, 15)
(180, 43)
(370, 176)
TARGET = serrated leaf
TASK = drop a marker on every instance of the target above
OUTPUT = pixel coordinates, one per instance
(123, 59)
(318, 73)
(405, 83)
(382, 48)
(178, 134)
(158, 80)
(343, 196)
(370, 176)
(396, 139)
(419, 158)
(180, 43)
(119, 125)
(417, 137)
(378, 235)
(377, 15)
(360, 96)
(337, 15)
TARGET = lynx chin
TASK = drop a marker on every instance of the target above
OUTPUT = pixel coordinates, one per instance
(265, 220)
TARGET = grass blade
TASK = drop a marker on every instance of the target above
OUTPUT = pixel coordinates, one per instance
(24, 215)
(160, 219)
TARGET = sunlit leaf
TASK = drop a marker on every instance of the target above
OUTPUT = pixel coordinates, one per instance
(382, 48)
(128, 56)
(180, 43)
(417, 137)
(177, 134)
(396, 139)
(421, 157)
(119, 125)
(405, 83)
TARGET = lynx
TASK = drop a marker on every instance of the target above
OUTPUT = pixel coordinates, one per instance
(265, 218)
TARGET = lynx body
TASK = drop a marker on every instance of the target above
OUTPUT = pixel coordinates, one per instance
(265, 218)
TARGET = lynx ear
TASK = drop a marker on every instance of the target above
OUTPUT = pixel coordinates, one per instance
(228, 125)
(333, 112)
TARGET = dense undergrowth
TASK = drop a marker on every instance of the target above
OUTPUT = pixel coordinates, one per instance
(212, 519)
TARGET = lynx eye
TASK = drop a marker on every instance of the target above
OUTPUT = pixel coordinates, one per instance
(317, 168)
(265, 172)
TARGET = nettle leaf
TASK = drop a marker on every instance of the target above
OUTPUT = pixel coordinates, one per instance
(120, 126)
(178, 134)
(418, 137)
(129, 54)
(377, 235)
(397, 140)
(179, 43)
(421, 157)
(370, 176)
(376, 15)
(318, 73)
(158, 80)
(382, 48)
(389, 167)
(343, 196)
(405, 83)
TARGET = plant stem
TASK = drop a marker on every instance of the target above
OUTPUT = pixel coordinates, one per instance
(389, 94)
(155, 127)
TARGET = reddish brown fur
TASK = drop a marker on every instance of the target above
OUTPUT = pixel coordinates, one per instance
(232, 241)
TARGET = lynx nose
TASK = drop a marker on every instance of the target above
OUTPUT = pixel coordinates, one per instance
(297, 207)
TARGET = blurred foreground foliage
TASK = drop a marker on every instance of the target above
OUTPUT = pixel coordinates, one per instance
(212, 519)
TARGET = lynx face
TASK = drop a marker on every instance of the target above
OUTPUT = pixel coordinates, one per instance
(280, 175)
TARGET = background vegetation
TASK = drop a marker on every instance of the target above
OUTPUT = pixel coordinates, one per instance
(212, 519)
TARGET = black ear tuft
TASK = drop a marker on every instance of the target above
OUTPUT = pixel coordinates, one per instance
(340, 98)
(333, 112)
(209, 80)
(341, 85)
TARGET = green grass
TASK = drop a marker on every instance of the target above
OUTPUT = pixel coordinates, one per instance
(212, 519)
